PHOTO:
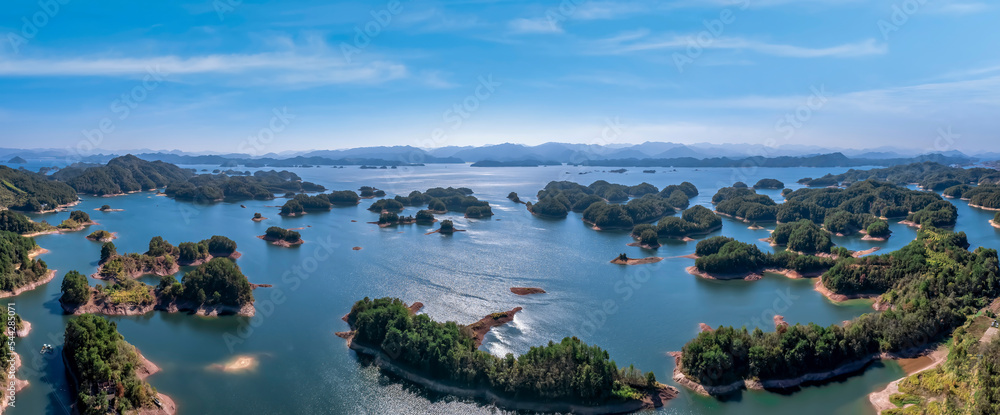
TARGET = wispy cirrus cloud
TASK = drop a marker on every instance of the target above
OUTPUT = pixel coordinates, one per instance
(270, 67)
(982, 92)
(640, 41)
(539, 25)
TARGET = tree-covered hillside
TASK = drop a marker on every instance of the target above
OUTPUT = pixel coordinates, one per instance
(33, 192)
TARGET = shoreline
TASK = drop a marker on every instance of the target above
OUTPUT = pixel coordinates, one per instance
(480, 328)
(872, 250)
(114, 235)
(984, 207)
(444, 233)
(25, 329)
(652, 400)
(526, 290)
(637, 261)
(842, 370)
(281, 242)
(880, 400)
(54, 230)
(18, 384)
(995, 225)
(36, 252)
(30, 286)
(644, 246)
(751, 276)
(839, 298)
(94, 306)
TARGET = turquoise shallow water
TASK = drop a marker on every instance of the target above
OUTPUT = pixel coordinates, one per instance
(637, 313)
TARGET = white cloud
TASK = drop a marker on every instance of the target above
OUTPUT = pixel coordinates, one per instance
(272, 67)
(638, 41)
(537, 25)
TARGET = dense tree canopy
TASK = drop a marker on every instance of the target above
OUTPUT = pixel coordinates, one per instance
(387, 205)
(16, 267)
(121, 175)
(802, 236)
(879, 229)
(861, 204)
(281, 234)
(745, 203)
(216, 282)
(693, 221)
(33, 192)
(104, 366)
(930, 285)
(769, 184)
(929, 175)
(735, 257)
(558, 198)
(263, 185)
(75, 289)
(18, 223)
(566, 371)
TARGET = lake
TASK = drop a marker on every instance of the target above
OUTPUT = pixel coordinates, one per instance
(637, 313)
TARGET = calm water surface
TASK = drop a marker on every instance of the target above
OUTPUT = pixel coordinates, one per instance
(637, 313)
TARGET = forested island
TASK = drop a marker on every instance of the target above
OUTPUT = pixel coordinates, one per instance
(262, 185)
(928, 175)
(101, 236)
(107, 373)
(769, 184)
(568, 376)
(439, 200)
(515, 163)
(387, 219)
(282, 237)
(723, 258)
(841, 211)
(302, 203)
(696, 220)
(821, 160)
(33, 192)
(600, 202)
(803, 236)
(216, 287)
(447, 227)
(162, 258)
(927, 289)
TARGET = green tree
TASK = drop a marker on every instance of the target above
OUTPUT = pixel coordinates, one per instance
(75, 289)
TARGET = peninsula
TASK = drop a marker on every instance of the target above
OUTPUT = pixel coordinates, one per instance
(513, 383)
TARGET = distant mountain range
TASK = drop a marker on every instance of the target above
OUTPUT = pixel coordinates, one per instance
(645, 154)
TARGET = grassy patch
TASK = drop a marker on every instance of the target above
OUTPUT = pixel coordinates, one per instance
(903, 399)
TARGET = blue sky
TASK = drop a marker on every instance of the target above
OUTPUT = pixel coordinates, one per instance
(209, 75)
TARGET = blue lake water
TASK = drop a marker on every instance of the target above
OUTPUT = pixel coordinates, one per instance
(637, 313)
